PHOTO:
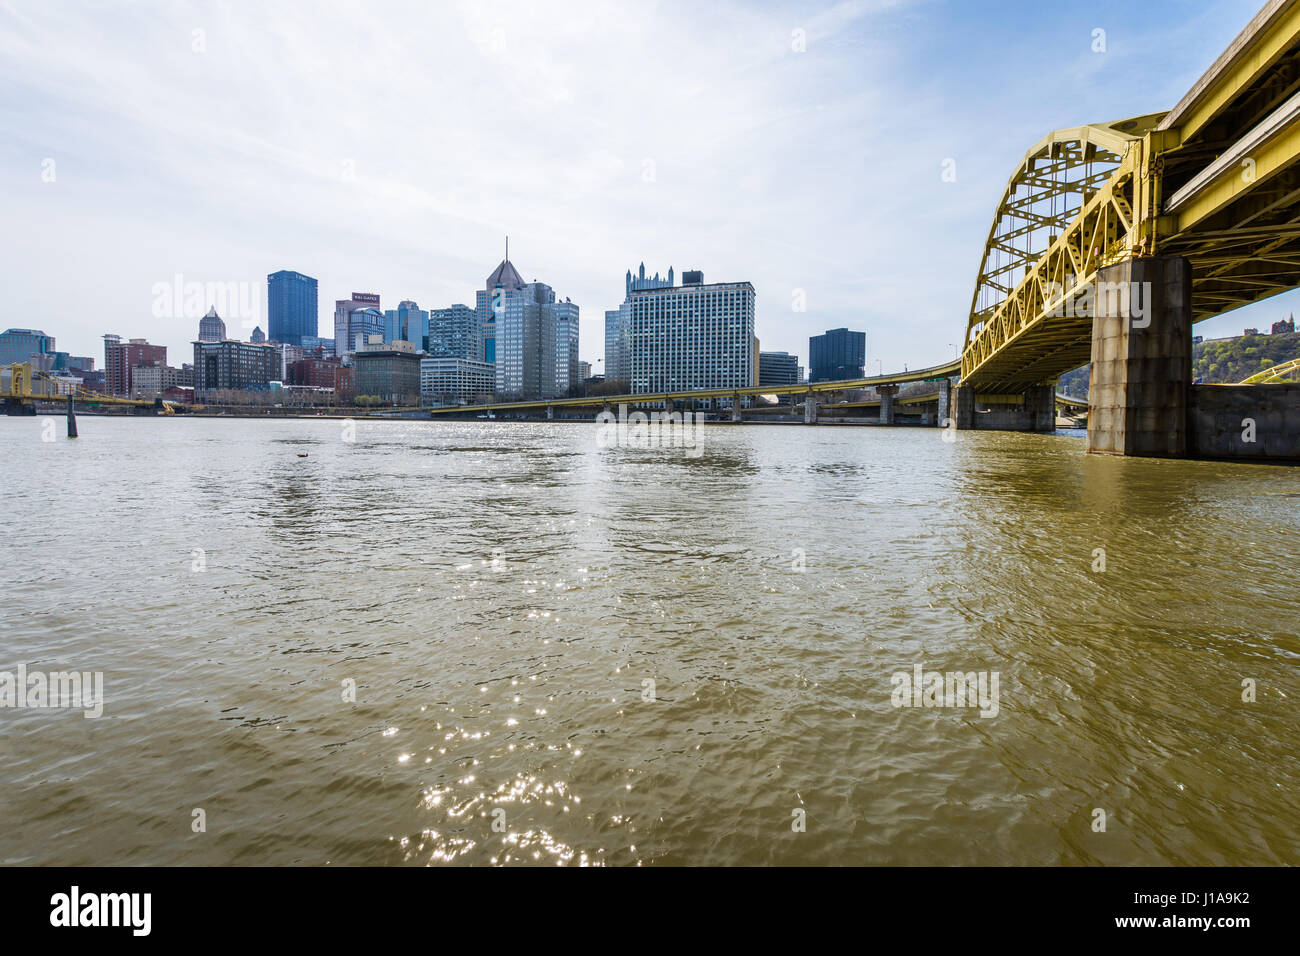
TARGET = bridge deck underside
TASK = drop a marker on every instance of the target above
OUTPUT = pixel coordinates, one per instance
(1248, 252)
(1041, 353)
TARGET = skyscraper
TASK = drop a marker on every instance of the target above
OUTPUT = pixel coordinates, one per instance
(407, 323)
(230, 364)
(121, 357)
(490, 301)
(20, 345)
(291, 307)
(836, 355)
(778, 368)
(537, 343)
(692, 336)
(211, 327)
(567, 373)
(355, 320)
(618, 324)
(456, 332)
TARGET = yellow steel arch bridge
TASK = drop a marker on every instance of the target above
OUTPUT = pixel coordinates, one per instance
(1216, 180)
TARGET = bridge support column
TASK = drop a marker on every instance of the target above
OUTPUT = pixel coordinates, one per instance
(735, 407)
(809, 408)
(1034, 410)
(945, 403)
(887, 393)
(1040, 408)
(1141, 359)
(963, 406)
(550, 412)
(72, 420)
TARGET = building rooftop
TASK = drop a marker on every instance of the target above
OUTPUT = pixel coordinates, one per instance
(505, 275)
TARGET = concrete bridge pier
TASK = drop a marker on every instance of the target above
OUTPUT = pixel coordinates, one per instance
(550, 412)
(735, 407)
(887, 393)
(809, 408)
(945, 403)
(1033, 410)
(1141, 358)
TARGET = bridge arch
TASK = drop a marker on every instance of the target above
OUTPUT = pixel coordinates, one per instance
(1046, 191)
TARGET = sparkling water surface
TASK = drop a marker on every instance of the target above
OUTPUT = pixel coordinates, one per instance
(570, 654)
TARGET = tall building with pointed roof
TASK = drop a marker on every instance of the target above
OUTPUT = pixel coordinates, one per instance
(505, 275)
(529, 335)
(211, 327)
(489, 302)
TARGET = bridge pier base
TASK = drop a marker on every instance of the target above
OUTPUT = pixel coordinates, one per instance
(550, 412)
(944, 413)
(887, 393)
(809, 409)
(1141, 359)
(735, 407)
(1032, 411)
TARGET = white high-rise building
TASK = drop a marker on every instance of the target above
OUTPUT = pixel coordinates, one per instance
(692, 336)
(618, 324)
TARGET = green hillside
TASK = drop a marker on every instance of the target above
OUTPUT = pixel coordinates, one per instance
(1218, 362)
(1231, 360)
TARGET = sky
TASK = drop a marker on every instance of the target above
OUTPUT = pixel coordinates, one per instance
(391, 147)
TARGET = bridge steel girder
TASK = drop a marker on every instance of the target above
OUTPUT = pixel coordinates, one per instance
(1268, 37)
(1039, 202)
(1033, 336)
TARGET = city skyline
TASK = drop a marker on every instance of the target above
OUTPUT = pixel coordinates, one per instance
(704, 159)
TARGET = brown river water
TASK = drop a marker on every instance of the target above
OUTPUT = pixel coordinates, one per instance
(496, 644)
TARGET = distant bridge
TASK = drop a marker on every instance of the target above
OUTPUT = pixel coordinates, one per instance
(28, 386)
(1278, 373)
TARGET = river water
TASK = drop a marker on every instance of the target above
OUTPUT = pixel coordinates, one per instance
(568, 653)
